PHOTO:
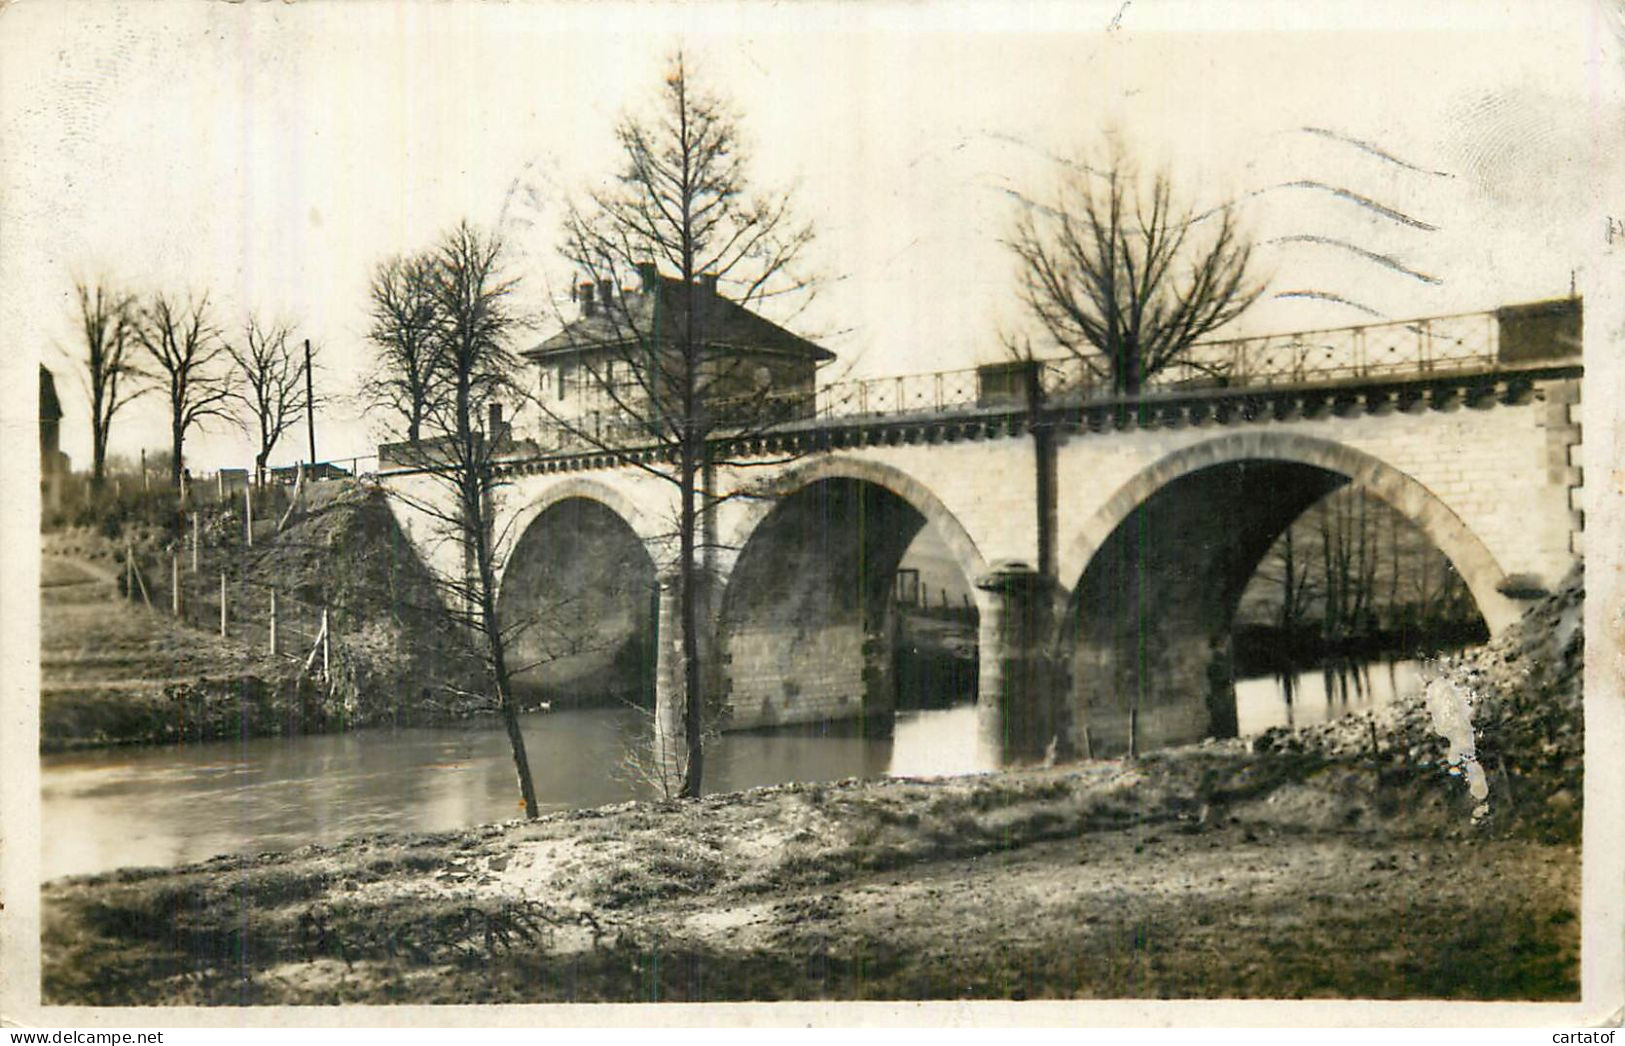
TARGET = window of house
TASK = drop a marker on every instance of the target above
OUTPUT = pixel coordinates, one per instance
(564, 378)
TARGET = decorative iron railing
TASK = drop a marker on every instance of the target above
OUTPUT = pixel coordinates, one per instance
(1438, 345)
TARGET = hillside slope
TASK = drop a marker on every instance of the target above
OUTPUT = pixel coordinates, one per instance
(115, 671)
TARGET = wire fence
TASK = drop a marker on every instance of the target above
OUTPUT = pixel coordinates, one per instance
(220, 485)
(210, 592)
(205, 578)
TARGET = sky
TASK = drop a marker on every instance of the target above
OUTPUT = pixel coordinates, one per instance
(271, 154)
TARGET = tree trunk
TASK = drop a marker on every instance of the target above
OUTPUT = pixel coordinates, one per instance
(1289, 596)
(177, 435)
(473, 483)
(499, 676)
(98, 459)
(688, 613)
(478, 533)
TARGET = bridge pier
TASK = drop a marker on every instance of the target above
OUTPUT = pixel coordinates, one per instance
(1022, 705)
(1155, 689)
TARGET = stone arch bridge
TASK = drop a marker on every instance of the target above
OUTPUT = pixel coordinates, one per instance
(1109, 540)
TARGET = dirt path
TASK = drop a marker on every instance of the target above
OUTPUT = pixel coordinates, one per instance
(58, 570)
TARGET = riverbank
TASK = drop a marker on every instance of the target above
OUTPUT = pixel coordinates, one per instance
(113, 672)
(1348, 860)
(117, 672)
(1204, 873)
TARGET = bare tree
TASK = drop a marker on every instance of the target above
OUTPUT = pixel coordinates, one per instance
(191, 359)
(659, 361)
(1356, 568)
(1124, 279)
(473, 324)
(273, 390)
(407, 379)
(107, 318)
(1287, 570)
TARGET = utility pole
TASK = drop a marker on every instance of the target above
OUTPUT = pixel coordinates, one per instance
(310, 404)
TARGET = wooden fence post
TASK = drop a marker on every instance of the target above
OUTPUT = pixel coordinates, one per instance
(222, 604)
(1134, 733)
(129, 571)
(248, 500)
(220, 487)
(197, 537)
(142, 585)
(326, 648)
(273, 622)
(175, 584)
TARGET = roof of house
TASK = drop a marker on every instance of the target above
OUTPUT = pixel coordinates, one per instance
(663, 309)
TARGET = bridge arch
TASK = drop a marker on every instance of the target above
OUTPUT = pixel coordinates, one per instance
(1159, 568)
(843, 466)
(578, 594)
(610, 496)
(807, 626)
(1469, 555)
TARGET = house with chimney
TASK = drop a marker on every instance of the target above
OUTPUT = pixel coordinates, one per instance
(604, 377)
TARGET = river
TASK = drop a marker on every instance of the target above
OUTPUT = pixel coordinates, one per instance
(175, 804)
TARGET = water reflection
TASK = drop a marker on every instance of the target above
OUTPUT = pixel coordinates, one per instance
(1317, 695)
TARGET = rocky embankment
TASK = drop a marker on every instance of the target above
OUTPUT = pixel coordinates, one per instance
(1318, 865)
(1520, 699)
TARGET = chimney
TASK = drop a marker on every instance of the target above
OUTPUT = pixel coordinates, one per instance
(708, 283)
(606, 293)
(649, 276)
(584, 292)
(494, 425)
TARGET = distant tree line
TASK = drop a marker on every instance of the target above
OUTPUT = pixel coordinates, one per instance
(1354, 575)
(250, 376)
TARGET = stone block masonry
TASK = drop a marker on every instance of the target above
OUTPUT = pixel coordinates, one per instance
(1487, 466)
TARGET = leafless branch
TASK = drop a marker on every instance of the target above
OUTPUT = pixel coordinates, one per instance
(1113, 274)
(108, 319)
(273, 389)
